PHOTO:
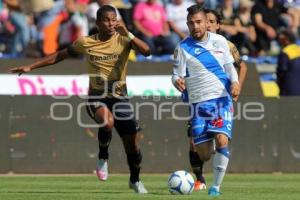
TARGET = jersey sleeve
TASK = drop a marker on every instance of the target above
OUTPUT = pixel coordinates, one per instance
(125, 42)
(228, 59)
(77, 47)
(179, 65)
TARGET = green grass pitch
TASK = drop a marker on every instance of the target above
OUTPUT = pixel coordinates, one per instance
(87, 187)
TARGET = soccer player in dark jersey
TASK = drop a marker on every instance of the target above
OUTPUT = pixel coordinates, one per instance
(214, 22)
(106, 55)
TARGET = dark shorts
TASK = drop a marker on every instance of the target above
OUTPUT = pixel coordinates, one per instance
(122, 110)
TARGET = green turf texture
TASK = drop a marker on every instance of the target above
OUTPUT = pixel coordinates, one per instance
(235, 187)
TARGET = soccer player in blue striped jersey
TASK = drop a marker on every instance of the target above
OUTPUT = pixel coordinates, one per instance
(205, 74)
(214, 22)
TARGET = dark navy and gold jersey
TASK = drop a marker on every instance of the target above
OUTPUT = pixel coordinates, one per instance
(107, 62)
(288, 70)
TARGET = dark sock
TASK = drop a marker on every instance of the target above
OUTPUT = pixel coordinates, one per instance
(134, 160)
(104, 138)
(197, 166)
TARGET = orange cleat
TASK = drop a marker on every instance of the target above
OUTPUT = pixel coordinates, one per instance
(199, 186)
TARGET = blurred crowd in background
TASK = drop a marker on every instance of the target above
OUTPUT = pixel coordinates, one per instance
(35, 28)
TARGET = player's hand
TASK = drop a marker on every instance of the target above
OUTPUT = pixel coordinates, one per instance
(180, 84)
(121, 29)
(20, 70)
(235, 90)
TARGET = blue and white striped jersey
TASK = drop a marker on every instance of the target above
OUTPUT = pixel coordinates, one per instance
(201, 64)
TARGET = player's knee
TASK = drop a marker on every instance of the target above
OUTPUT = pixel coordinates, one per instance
(104, 118)
(221, 141)
(109, 123)
(106, 124)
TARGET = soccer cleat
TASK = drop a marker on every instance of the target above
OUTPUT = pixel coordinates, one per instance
(199, 186)
(138, 187)
(214, 192)
(102, 171)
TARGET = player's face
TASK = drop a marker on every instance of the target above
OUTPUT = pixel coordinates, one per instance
(107, 23)
(212, 24)
(197, 25)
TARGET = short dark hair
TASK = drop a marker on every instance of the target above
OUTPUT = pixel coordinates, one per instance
(105, 9)
(289, 34)
(218, 16)
(194, 9)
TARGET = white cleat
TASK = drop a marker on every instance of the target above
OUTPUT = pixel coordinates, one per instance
(138, 187)
(102, 170)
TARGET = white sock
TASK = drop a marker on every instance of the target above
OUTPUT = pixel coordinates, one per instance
(220, 163)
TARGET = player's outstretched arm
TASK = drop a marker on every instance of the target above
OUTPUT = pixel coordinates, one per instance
(138, 44)
(141, 46)
(43, 62)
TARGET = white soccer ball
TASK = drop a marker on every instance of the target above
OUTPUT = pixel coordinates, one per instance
(181, 182)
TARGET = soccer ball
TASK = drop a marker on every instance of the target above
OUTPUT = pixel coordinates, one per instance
(181, 182)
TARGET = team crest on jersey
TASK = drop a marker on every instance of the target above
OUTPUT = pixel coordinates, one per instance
(197, 51)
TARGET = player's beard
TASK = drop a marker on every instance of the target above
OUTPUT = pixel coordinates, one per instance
(199, 35)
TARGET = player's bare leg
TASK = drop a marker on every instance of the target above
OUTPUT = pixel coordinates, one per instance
(220, 163)
(134, 159)
(104, 117)
(205, 150)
